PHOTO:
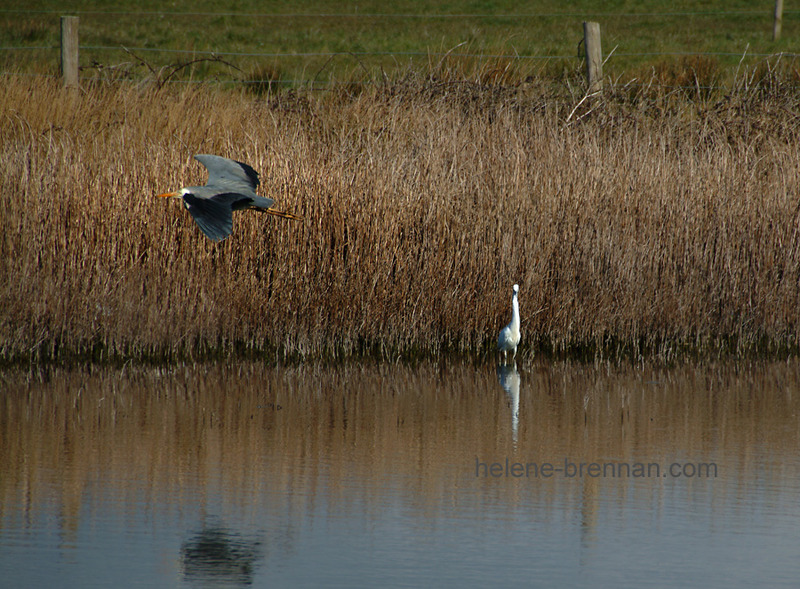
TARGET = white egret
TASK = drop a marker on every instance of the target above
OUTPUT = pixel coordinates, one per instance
(509, 337)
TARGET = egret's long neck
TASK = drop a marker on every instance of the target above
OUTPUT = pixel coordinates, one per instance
(514, 313)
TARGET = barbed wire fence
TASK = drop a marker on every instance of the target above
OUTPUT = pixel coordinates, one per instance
(98, 58)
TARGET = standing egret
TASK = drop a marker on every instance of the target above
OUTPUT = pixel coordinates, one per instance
(509, 336)
(231, 187)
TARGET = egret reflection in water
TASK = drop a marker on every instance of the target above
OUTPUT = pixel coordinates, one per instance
(509, 378)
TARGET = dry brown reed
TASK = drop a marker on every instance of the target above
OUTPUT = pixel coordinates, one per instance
(635, 222)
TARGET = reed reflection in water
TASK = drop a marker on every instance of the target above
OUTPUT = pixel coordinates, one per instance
(243, 475)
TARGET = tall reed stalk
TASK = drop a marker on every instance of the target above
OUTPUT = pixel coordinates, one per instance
(635, 223)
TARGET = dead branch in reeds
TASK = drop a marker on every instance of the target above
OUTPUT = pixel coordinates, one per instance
(637, 221)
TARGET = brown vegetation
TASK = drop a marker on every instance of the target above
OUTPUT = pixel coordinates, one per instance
(636, 222)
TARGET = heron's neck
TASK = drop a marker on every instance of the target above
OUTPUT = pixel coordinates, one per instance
(514, 312)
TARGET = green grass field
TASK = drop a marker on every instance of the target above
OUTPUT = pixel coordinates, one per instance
(376, 39)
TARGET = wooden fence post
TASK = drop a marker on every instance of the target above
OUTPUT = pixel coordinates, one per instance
(69, 51)
(776, 24)
(594, 55)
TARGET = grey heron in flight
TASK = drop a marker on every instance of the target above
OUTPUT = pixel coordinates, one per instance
(231, 187)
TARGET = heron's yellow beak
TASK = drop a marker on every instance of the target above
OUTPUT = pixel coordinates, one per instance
(169, 194)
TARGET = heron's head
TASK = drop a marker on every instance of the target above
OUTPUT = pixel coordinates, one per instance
(178, 194)
(516, 288)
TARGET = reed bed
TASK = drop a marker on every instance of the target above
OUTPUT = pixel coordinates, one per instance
(636, 222)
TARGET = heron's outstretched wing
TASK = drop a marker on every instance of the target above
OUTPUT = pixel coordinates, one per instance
(214, 215)
(229, 175)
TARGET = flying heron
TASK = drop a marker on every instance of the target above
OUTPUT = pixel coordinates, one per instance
(509, 337)
(231, 187)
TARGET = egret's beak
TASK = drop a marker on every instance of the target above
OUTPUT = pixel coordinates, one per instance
(169, 194)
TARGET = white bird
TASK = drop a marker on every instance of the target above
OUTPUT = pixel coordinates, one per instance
(509, 337)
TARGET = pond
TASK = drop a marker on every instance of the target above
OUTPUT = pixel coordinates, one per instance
(437, 474)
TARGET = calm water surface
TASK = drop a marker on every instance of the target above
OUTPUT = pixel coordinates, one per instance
(446, 475)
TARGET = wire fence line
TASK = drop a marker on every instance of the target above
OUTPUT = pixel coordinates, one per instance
(286, 56)
(212, 53)
(404, 15)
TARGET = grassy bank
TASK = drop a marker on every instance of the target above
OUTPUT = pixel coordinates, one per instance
(635, 224)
